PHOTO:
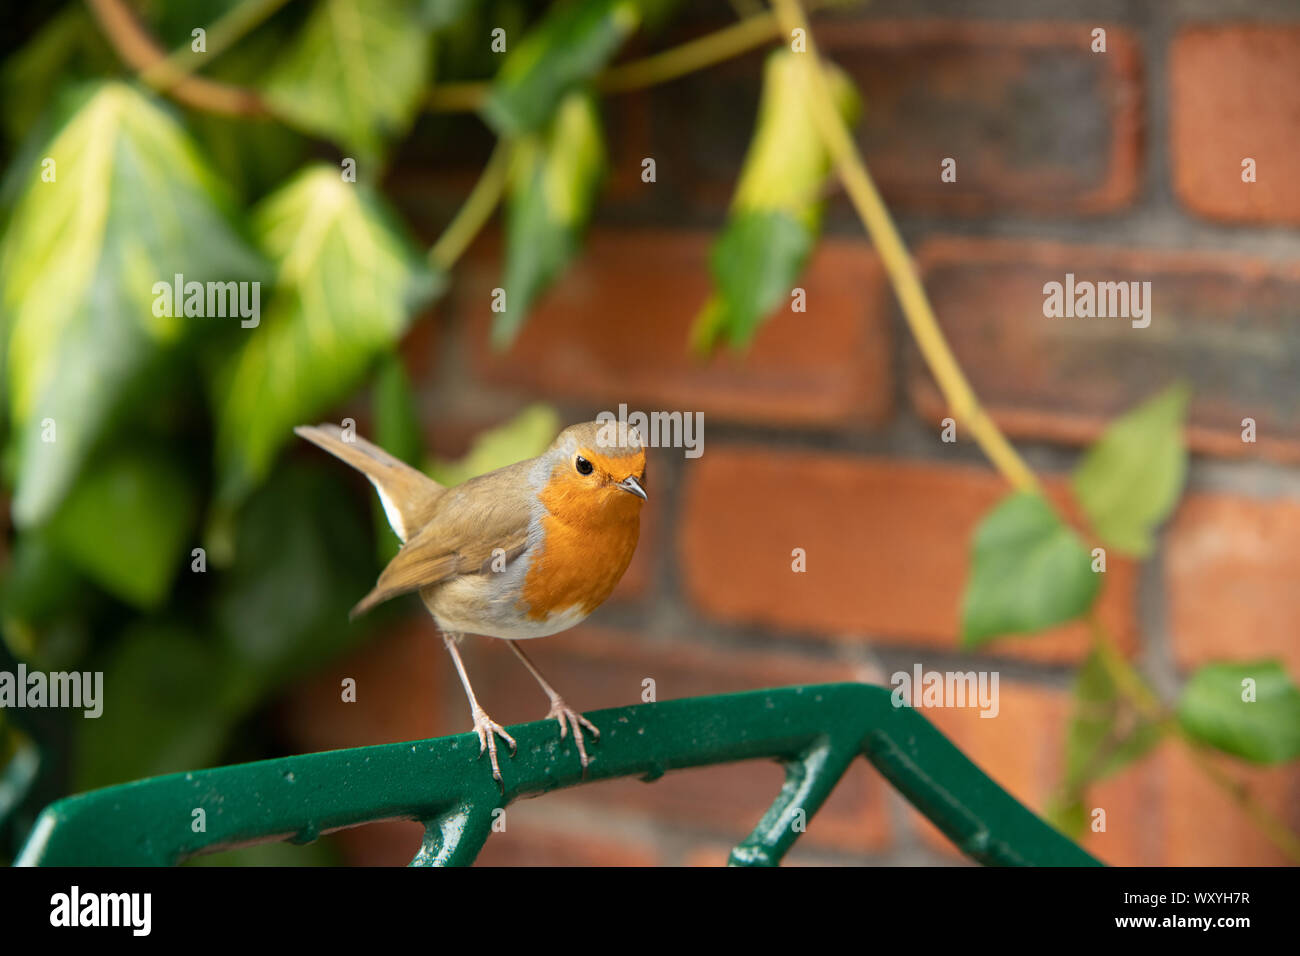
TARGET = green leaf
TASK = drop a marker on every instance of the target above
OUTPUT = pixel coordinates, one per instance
(436, 14)
(132, 205)
(303, 558)
(777, 209)
(68, 47)
(125, 524)
(1106, 732)
(170, 700)
(553, 183)
(1130, 480)
(355, 73)
(571, 44)
(1263, 730)
(347, 285)
(1030, 572)
(526, 435)
(397, 431)
(754, 265)
(397, 420)
(1068, 815)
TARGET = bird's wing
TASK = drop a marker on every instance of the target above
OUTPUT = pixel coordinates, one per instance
(467, 526)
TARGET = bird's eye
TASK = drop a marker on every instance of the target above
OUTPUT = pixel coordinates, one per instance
(583, 466)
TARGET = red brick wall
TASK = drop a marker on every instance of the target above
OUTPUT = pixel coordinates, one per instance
(824, 436)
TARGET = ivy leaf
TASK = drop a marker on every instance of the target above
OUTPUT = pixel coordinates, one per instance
(1264, 730)
(526, 435)
(397, 421)
(553, 182)
(125, 523)
(69, 45)
(754, 265)
(1029, 572)
(304, 557)
(132, 204)
(776, 212)
(348, 282)
(570, 45)
(1130, 480)
(355, 73)
(1105, 732)
(170, 702)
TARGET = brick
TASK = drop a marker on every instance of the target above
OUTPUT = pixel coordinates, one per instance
(1201, 825)
(394, 675)
(1220, 322)
(989, 95)
(887, 544)
(387, 843)
(1230, 580)
(535, 835)
(615, 329)
(1235, 93)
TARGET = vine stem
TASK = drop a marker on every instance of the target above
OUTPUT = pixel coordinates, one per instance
(1131, 685)
(139, 51)
(475, 211)
(898, 263)
(965, 407)
(221, 35)
(747, 34)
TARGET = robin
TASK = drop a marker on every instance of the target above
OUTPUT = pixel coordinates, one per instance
(525, 551)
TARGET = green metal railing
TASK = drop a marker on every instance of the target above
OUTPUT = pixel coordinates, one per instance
(816, 731)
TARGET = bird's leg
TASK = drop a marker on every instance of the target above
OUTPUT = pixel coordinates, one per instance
(487, 729)
(561, 711)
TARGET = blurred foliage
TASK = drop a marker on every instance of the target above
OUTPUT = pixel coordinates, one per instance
(530, 433)
(157, 536)
(1130, 480)
(552, 191)
(1031, 571)
(1250, 710)
(355, 71)
(776, 214)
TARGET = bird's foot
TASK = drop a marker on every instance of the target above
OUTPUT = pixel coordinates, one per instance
(488, 730)
(567, 716)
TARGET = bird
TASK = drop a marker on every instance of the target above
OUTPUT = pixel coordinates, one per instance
(525, 551)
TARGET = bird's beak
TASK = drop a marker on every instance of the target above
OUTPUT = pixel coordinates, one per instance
(631, 484)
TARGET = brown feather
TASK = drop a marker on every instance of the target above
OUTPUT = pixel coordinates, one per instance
(465, 526)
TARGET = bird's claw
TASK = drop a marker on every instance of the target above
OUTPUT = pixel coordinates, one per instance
(566, 716)
(488, 730)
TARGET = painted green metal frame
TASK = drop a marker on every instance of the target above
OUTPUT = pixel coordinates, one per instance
(816, 731)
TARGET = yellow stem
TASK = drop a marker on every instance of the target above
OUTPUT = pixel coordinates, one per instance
(893, 253)
(741, 37)
(475, 212)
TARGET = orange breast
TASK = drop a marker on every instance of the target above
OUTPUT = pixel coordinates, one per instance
(588, 540)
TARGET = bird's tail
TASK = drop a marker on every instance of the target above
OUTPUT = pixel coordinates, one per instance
(407, 495)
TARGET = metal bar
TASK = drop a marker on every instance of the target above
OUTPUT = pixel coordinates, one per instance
(816, 731)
